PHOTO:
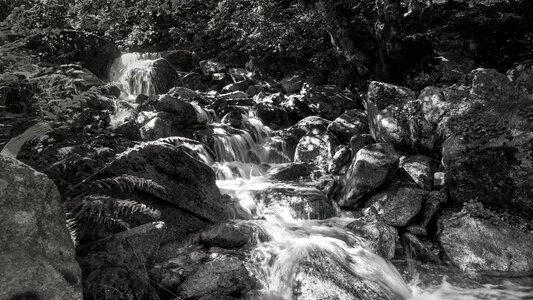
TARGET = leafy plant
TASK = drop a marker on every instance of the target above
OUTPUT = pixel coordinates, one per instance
(36, 132)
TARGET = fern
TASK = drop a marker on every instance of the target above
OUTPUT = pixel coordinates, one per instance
(37, 131)
(128, 183)
(106, 210)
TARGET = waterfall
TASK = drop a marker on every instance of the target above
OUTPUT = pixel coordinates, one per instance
(134, 72)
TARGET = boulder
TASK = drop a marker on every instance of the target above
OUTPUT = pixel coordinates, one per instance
(290, 172)
(420, 169)
(312, 124)
(187, 192)
(358, 141)
(281, 146)
(227, 236)
(328, 101)
(370, 168)
(220, 277)
(292, 83)
(151, 77)
(395, 117)
(340, 159)
(183, 94)
(487, 149)
(475, 244)
(193, 81)
(380, 238)
(175, 105)
(398, 204)
(417, 249)
(350, 123)
(181, 60)
(315, 148)
(37, 254)
(296, 108)
(271, 115)
(296, 202)
(433, 204)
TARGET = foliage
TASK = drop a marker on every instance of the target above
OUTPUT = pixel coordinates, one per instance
(36, 132)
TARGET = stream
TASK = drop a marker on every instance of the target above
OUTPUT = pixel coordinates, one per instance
(288, 243)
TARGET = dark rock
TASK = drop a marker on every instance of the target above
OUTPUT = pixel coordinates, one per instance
(253, 90)
(238, 74)
(487, 152)
(418, 249)
(233, 95)
(433, 204)
(341, 158)
(297, 108)
(380, 238)
(397, 204)
(271, 115)
(193, 81)
(183, 93)
(221, 277)
(189, 192)
(370, 168)
(420, 169)
(181, 110)
(350, 123)
(181, 60)
(292, 83)
(328, 101)
(15, 93)
(358, 141)
(290, 172)
(478, 245)
(521, 75)
(227, 235)
(37, 253)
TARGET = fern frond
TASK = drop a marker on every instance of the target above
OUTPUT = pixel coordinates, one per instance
(128, 183)
(37, 131)
(107, 210)
(72, 227)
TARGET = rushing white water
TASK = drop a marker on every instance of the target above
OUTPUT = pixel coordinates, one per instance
(133, 71)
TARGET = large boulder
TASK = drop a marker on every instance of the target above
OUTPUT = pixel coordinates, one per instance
(190, 199)
(290, 172)
(487, 149)
(398, 204)
(420, 169)
(350, 123)
(292, 83)
(372, 166)
(296, 202)
(380, 238)
(316, 148)
(37, 254)
(271, 115)
(221, 277)
(328, 101)
(474, 244)
(149, 77)
(395, 117)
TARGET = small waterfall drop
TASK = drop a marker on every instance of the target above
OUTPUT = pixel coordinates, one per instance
(134, 72)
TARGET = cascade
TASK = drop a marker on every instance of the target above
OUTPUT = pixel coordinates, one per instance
(287, 245)
(134, 72)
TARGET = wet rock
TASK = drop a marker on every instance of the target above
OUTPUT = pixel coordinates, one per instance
(341, 158)
(238, 74)
(475, 244)
(271, 115)
(433, 204)
(181, 60)
(350, 123)
(290, 172)
(158, 127)
(395, 117)
(161, 78)
(358, 141)
(221, 277)
(210, 66)
(183, 93)
(315, 148)
(328, 101)
(380, 238)
(296, 108)
(296, 201)
(193, 81)
(253, 90)
(233, 95)
(323, 275)
(420, 169)
(189, 199)
(227, 235)
(418, 249)
(292, 83)
(397, 204)
(237, 86)
(282, 145)
(370, 168)
(37, 253)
